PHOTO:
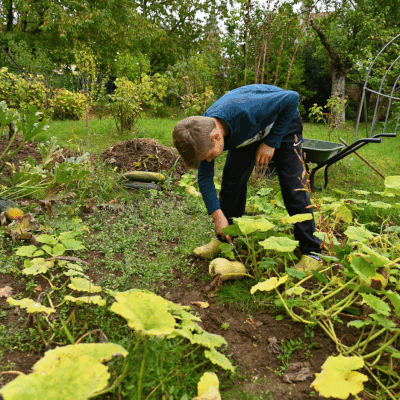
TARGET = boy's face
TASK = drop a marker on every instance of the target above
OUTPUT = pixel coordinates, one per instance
(218, 140)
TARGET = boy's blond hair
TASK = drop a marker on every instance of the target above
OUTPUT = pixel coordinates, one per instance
(192, 138)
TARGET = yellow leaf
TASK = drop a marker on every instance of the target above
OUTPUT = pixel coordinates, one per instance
(206, 381)
(269, 284)
(338, 379)
(201, 304)
(211, 394)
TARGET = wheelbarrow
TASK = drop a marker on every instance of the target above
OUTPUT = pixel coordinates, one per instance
(324, 154)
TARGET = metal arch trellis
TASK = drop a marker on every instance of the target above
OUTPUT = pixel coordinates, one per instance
(325, 154)
(380, 96)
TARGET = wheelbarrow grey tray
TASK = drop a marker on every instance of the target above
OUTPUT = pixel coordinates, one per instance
(318, 151)
(324, 154)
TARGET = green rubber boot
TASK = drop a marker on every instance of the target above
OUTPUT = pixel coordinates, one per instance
(209, 250)
(308, 264)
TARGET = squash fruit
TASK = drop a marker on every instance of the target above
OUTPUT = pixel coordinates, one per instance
(144, 176)
(227, 269)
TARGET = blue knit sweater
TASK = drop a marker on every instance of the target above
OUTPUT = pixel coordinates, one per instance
(253, 113)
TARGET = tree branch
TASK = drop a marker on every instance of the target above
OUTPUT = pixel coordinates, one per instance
(334, 56)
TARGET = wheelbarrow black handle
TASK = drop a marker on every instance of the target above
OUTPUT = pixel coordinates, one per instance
(384, 135)
(343, 153)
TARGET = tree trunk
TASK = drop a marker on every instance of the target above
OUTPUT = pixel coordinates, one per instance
(339, 90)
(245, 37)
(338, 69)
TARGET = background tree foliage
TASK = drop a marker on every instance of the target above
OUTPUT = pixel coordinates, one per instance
(314, 47)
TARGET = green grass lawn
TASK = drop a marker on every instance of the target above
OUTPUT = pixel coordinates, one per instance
(351, 172)
(103, 133)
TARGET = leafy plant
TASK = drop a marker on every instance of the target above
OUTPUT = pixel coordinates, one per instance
(68, 105)
(130, 97)
(335, 106)
(150, 316)
(196, 103)
(29, 124)
(22, 92)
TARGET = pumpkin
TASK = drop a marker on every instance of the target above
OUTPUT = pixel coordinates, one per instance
(10, 209)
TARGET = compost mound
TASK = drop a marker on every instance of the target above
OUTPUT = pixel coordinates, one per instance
(144, 155)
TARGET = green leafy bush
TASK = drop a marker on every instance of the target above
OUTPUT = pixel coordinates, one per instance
(130, 98)
(20, 93)
(197, 103)
(68, 105)
(132, 66)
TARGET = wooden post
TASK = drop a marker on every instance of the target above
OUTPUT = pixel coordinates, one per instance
(362, 158)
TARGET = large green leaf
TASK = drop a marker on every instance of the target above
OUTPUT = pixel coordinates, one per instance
(145, 312)
(57, 250)
(69, 379)
(86, 299)
(385, 322)
(376, 303)
(392, 185)
(26, 251)
(219, 359)
(232, 230)
(37, 266)
(361, 266)
(379, 204)
(83, 285)
(31, 306)
(394, 299)
(383, 194)
(47, 239)
(377, 259)
(249, 225)
(184, 332)
(100, 352)
(73, 272)
(269, 284)
(207, 339)
(66, 373)
(359, 234)
(338, 378)
(72, 244)
(363, 192)
(359, 323)
(282, 244)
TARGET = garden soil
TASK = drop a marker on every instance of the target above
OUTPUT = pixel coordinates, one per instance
(136, 154)
(253, 340)
(144, 155)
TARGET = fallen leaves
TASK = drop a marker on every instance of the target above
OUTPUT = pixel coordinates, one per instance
(5, 291)
(201, 304)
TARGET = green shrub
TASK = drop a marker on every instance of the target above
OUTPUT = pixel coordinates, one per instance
(129, 99)
(197, 103)
(68, 105)
(131, 66)
(20, 93)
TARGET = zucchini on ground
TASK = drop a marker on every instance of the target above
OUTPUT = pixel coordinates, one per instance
(144, 176)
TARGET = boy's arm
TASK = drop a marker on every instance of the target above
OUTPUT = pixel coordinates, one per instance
(206, 185)
(285, 107)
(220, 222)
(207, 189)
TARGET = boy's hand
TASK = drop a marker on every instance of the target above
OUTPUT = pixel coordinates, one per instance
(220, 222)
(264, 155)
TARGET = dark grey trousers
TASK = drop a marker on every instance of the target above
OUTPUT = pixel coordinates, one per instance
(239, 166)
